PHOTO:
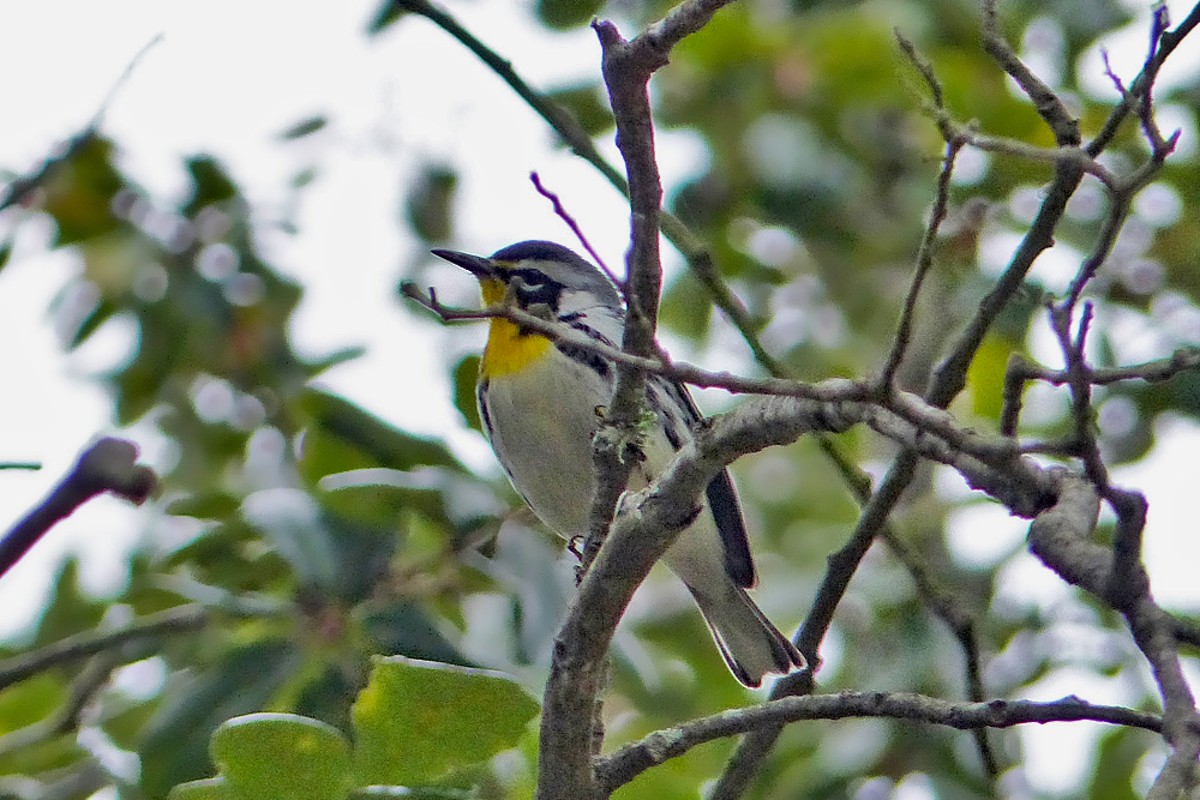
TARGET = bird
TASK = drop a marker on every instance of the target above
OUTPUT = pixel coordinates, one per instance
(539, 401)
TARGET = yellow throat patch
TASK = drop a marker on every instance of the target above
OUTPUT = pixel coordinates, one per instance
(509, 350)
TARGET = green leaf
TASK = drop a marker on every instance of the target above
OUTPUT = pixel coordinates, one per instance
(316, 367)
(124, 725)
(206, 789)
(563, 14)
(174, 747)
(291, 521)
(79, 191)
(304, 128)
(137, 386)
(298, 181)
(387, 13)
(417, 720)
(588, 105)
(406, 629)
(205, 505)
(379, 498)
(681, 310)
(70, 609)
(35, 701)
(466, 373)
(30, 701)
(985, 376)
(341, 436)
(429, 203)
(210, 184)
(1117, 755)
(377, 505)
(282, 756)
(99, 314)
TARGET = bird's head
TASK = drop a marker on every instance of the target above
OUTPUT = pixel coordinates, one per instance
(542, 278)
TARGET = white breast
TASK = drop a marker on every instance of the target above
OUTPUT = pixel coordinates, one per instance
(542, 420)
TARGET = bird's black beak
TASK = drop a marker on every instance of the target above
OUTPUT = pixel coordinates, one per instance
(478, 266)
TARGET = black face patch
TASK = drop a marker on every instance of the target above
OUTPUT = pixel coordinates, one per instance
(533, 287)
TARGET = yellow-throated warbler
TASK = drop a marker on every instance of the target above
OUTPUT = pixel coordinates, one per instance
(538, 401)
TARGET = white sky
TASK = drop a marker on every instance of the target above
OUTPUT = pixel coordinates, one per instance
(227, 77)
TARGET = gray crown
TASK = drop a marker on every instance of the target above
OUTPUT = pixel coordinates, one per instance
(561, 265)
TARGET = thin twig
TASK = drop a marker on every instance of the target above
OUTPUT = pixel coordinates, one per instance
(1167, 42)
(924, 262)
(999, 145)
(178, 620)
(1111, 228)
(562, 213)
(1020, 370)
(17, 190)
(925, 69)
(680, 371)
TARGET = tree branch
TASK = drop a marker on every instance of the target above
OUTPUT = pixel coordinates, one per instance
(109, 465)
(91, 679)
(633, 759)
(1047, 103)
(946, 383)
(561, 212)
(1021, 370)
(1060, 537)
(580, 652)
(173, 621)
(1165, 44)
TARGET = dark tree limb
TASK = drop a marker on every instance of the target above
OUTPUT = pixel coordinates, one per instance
(578, 665)
(109, 465)
(1061, 537)
(1044, 99)
(631, 760)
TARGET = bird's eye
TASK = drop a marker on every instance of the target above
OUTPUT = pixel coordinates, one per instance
(533, 278)
(532, 287)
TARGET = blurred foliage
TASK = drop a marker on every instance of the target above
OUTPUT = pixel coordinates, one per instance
(414, 723)
(323, 537)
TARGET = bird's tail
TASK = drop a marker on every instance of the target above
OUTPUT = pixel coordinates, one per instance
(751, 646)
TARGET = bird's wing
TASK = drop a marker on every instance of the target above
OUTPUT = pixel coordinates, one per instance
(722, 497)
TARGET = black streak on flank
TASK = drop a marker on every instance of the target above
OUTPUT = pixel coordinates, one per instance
(484, 417)
(598, 364)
